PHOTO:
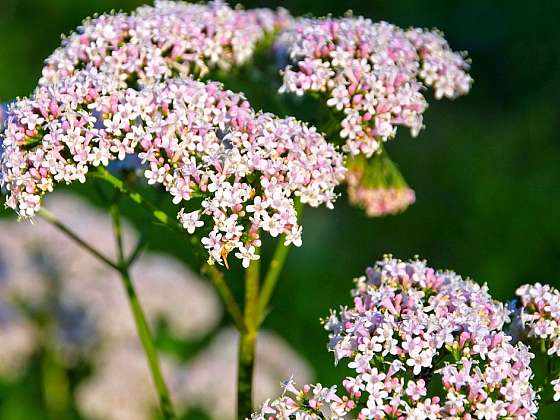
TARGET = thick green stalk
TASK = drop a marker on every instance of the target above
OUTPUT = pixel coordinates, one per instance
(247, 342)
(274, 270)
(55, 387)
(272, 276)
(141, 324)
(149, 347)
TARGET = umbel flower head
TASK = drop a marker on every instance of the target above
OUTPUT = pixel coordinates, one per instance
(421, 344)
(376, 185)
(171, 39)
(373, 74)
(244, 169)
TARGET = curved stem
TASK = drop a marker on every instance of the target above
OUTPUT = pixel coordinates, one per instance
(274, 270)
(141, 324)
(53, 220)
(213, 273)
(247, 324)
(247, 342)
(137, 251)
(140, 320)
(103, 174)
(149, 347)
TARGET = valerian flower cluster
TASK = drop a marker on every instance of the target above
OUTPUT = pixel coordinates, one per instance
(422, 344)
(100, 100)
(198, 141)
(540, 319)
(372, 76)
(171, 39)
(373, 73)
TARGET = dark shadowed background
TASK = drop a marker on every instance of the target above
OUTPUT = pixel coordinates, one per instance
(486, 169)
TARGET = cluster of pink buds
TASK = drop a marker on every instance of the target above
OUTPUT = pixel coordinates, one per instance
(171, 39)
(244, 168)
(371, 73)
(381, 201)
(423, 344)
(377, 186)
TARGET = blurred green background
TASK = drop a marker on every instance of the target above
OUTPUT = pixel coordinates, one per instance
(486, 169)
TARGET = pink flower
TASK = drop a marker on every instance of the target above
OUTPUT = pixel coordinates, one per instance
(374, 73)
(480, 373)
(260, 169)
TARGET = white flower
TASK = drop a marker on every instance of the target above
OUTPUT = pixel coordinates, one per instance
(247, 254)
(294, 236)
(190, 221)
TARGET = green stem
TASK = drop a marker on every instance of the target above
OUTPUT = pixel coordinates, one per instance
(246, 361)
(119, 185)
(53, 220)
(217, 278)
(149, 347)
(137, 251)
(141, 324)
(274, 270)
(138, 314)
(215, 275)
(55, 387)
(247, 342)
(247, 324)
(272, 276)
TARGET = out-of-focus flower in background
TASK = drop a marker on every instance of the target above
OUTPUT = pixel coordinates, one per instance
(18, 342)
(120, 387)
(56, 299)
